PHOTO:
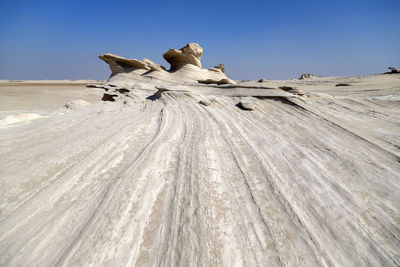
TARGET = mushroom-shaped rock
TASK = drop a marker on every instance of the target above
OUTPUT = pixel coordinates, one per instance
(249, 103)
(394, 70)
(190, 54)
(134, 74)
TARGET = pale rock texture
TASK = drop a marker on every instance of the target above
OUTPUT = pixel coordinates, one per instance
(185, 68)
(215, 81)
(249, 103)
(220, 67)
(310, 177)
(75, 104)
(205, 102)
(17, 119)
(189, 54)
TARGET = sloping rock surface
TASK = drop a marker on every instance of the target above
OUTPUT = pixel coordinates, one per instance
(310, 177)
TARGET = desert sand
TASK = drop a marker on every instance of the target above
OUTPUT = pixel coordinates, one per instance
(187, 167)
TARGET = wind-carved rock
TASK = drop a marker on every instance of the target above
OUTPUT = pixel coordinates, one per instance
(153, 66)
(393, 70)
(134, 80)
(215, 81)
(306, 76)
(135, 74)
(120, 64)
(220, 67)
(189, 54)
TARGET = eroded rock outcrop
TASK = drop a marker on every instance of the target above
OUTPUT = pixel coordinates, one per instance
(133, 79)
(218, 82)
(134, 74)
(220, 67)
(393, 70)
(189, 54)
(120, 64)
(306, 76)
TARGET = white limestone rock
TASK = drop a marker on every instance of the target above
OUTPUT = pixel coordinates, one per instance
(248, 103)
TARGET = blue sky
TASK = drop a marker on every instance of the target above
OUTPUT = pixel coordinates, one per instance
(254, 39)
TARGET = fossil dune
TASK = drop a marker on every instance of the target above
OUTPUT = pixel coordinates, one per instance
(174, 171)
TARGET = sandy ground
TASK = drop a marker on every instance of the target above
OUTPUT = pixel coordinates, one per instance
(44, 95)
(305, 179)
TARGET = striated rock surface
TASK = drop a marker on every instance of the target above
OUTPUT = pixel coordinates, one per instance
(176, 173)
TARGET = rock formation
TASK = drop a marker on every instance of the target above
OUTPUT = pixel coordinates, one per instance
(306, 76)
(220, 67)
(173, 172)
(189, 54)
(119, 64)
(214, 81)
(185, 67)
(394, 70)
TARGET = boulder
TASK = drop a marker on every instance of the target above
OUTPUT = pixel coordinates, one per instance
(205, 102)
(248, 103)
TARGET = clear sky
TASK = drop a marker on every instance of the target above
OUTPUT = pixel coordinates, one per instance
(254, 39)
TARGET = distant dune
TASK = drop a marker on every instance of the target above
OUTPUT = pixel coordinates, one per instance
(187, 167)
